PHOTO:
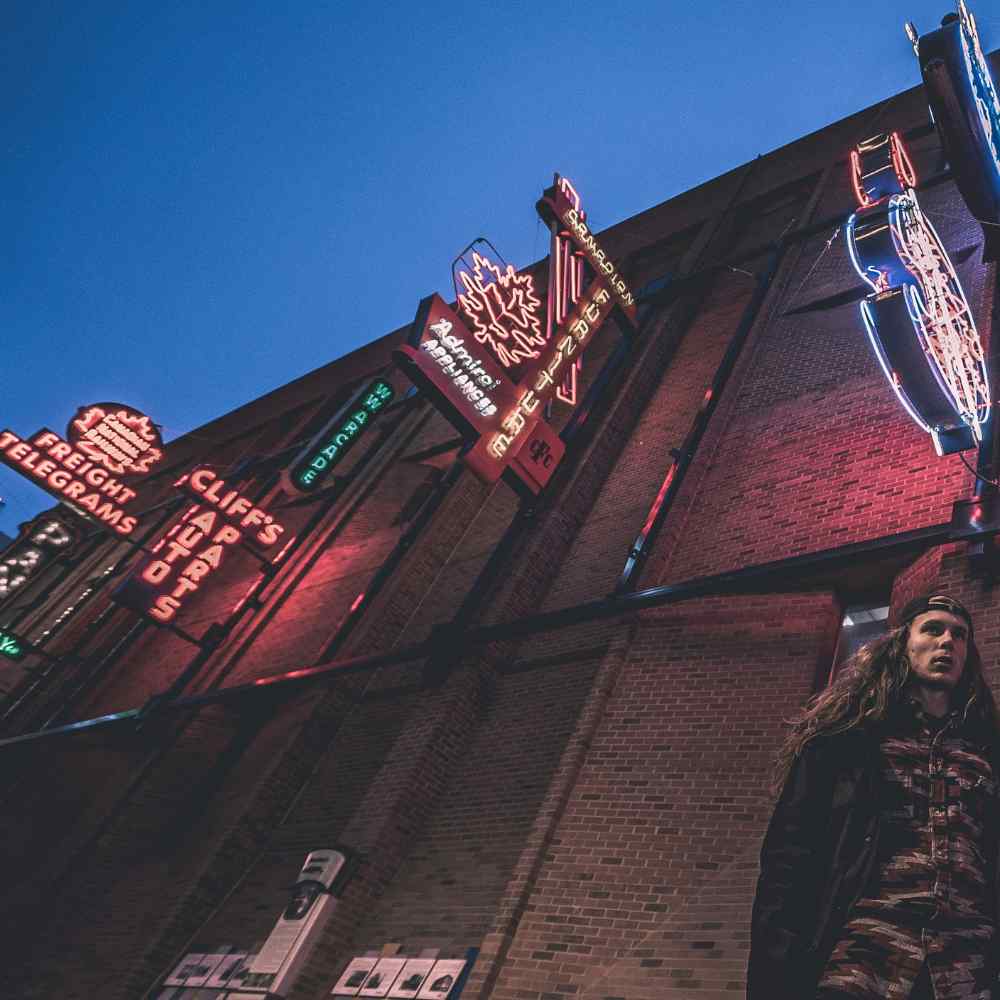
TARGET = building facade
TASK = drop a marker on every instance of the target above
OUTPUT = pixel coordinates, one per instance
(540, 727)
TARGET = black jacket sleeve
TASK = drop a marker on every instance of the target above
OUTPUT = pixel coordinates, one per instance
(792, 866)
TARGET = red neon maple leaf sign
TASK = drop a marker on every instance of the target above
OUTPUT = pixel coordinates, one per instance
(504, 310)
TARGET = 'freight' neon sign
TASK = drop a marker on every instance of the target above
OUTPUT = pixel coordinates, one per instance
(104, 444)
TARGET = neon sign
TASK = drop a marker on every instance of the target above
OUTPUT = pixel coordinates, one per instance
(588, 315)
(44, 540)
(121, 439)
(880, 167)
(565, 285)
(503, 308)
(191, 552)
(917, 317)
(11, 646)
(314, 464)
(442, 356)
(502, 412)
(105, 441)
(557, 205)
(966, 109)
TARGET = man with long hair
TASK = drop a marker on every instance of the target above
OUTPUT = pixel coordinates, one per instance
(878, 875)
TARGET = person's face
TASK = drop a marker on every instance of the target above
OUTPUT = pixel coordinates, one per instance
(937, 646)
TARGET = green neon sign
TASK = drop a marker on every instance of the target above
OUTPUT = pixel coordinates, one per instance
(11, 646)
(314, 464)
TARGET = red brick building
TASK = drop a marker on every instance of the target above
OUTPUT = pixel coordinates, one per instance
(579, 796)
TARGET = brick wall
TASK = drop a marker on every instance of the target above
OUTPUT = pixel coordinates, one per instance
(585, 806)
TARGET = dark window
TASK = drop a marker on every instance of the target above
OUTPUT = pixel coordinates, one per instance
(861, 623)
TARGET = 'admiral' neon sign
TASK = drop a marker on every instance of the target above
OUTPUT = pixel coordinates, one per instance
(966, 109)
(917, 317)
(500, 410)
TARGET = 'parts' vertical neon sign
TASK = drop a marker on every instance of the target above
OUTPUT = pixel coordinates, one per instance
(916, 317)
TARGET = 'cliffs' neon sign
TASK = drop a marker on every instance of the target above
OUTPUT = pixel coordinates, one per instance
(193, 550)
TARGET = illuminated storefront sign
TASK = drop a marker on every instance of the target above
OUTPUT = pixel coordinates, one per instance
(121, 439)
(12, 647)
(587, 316)
(880, 167)
(917, 317)
(188, 555)
(456, 369)
(565, 284)
(963, 99)
(105, 443)
(505, 312)
(313, 465)
(557, 204)
(500, 412)
(46, 539)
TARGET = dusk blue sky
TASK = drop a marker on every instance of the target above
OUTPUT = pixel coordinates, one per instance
(203, 201)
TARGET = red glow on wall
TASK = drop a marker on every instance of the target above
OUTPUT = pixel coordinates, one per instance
(660, 497)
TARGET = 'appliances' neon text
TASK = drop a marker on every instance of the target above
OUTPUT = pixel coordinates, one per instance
(466, 373)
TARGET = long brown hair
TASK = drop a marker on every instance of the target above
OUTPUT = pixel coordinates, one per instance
(867, 689)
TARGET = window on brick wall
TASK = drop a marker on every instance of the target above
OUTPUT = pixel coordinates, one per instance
(861, 623)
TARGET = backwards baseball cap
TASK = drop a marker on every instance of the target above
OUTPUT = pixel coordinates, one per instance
(934, 602)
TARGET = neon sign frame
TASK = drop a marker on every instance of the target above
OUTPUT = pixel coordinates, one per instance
(311, 468)
(501, 415)
(963, 99)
